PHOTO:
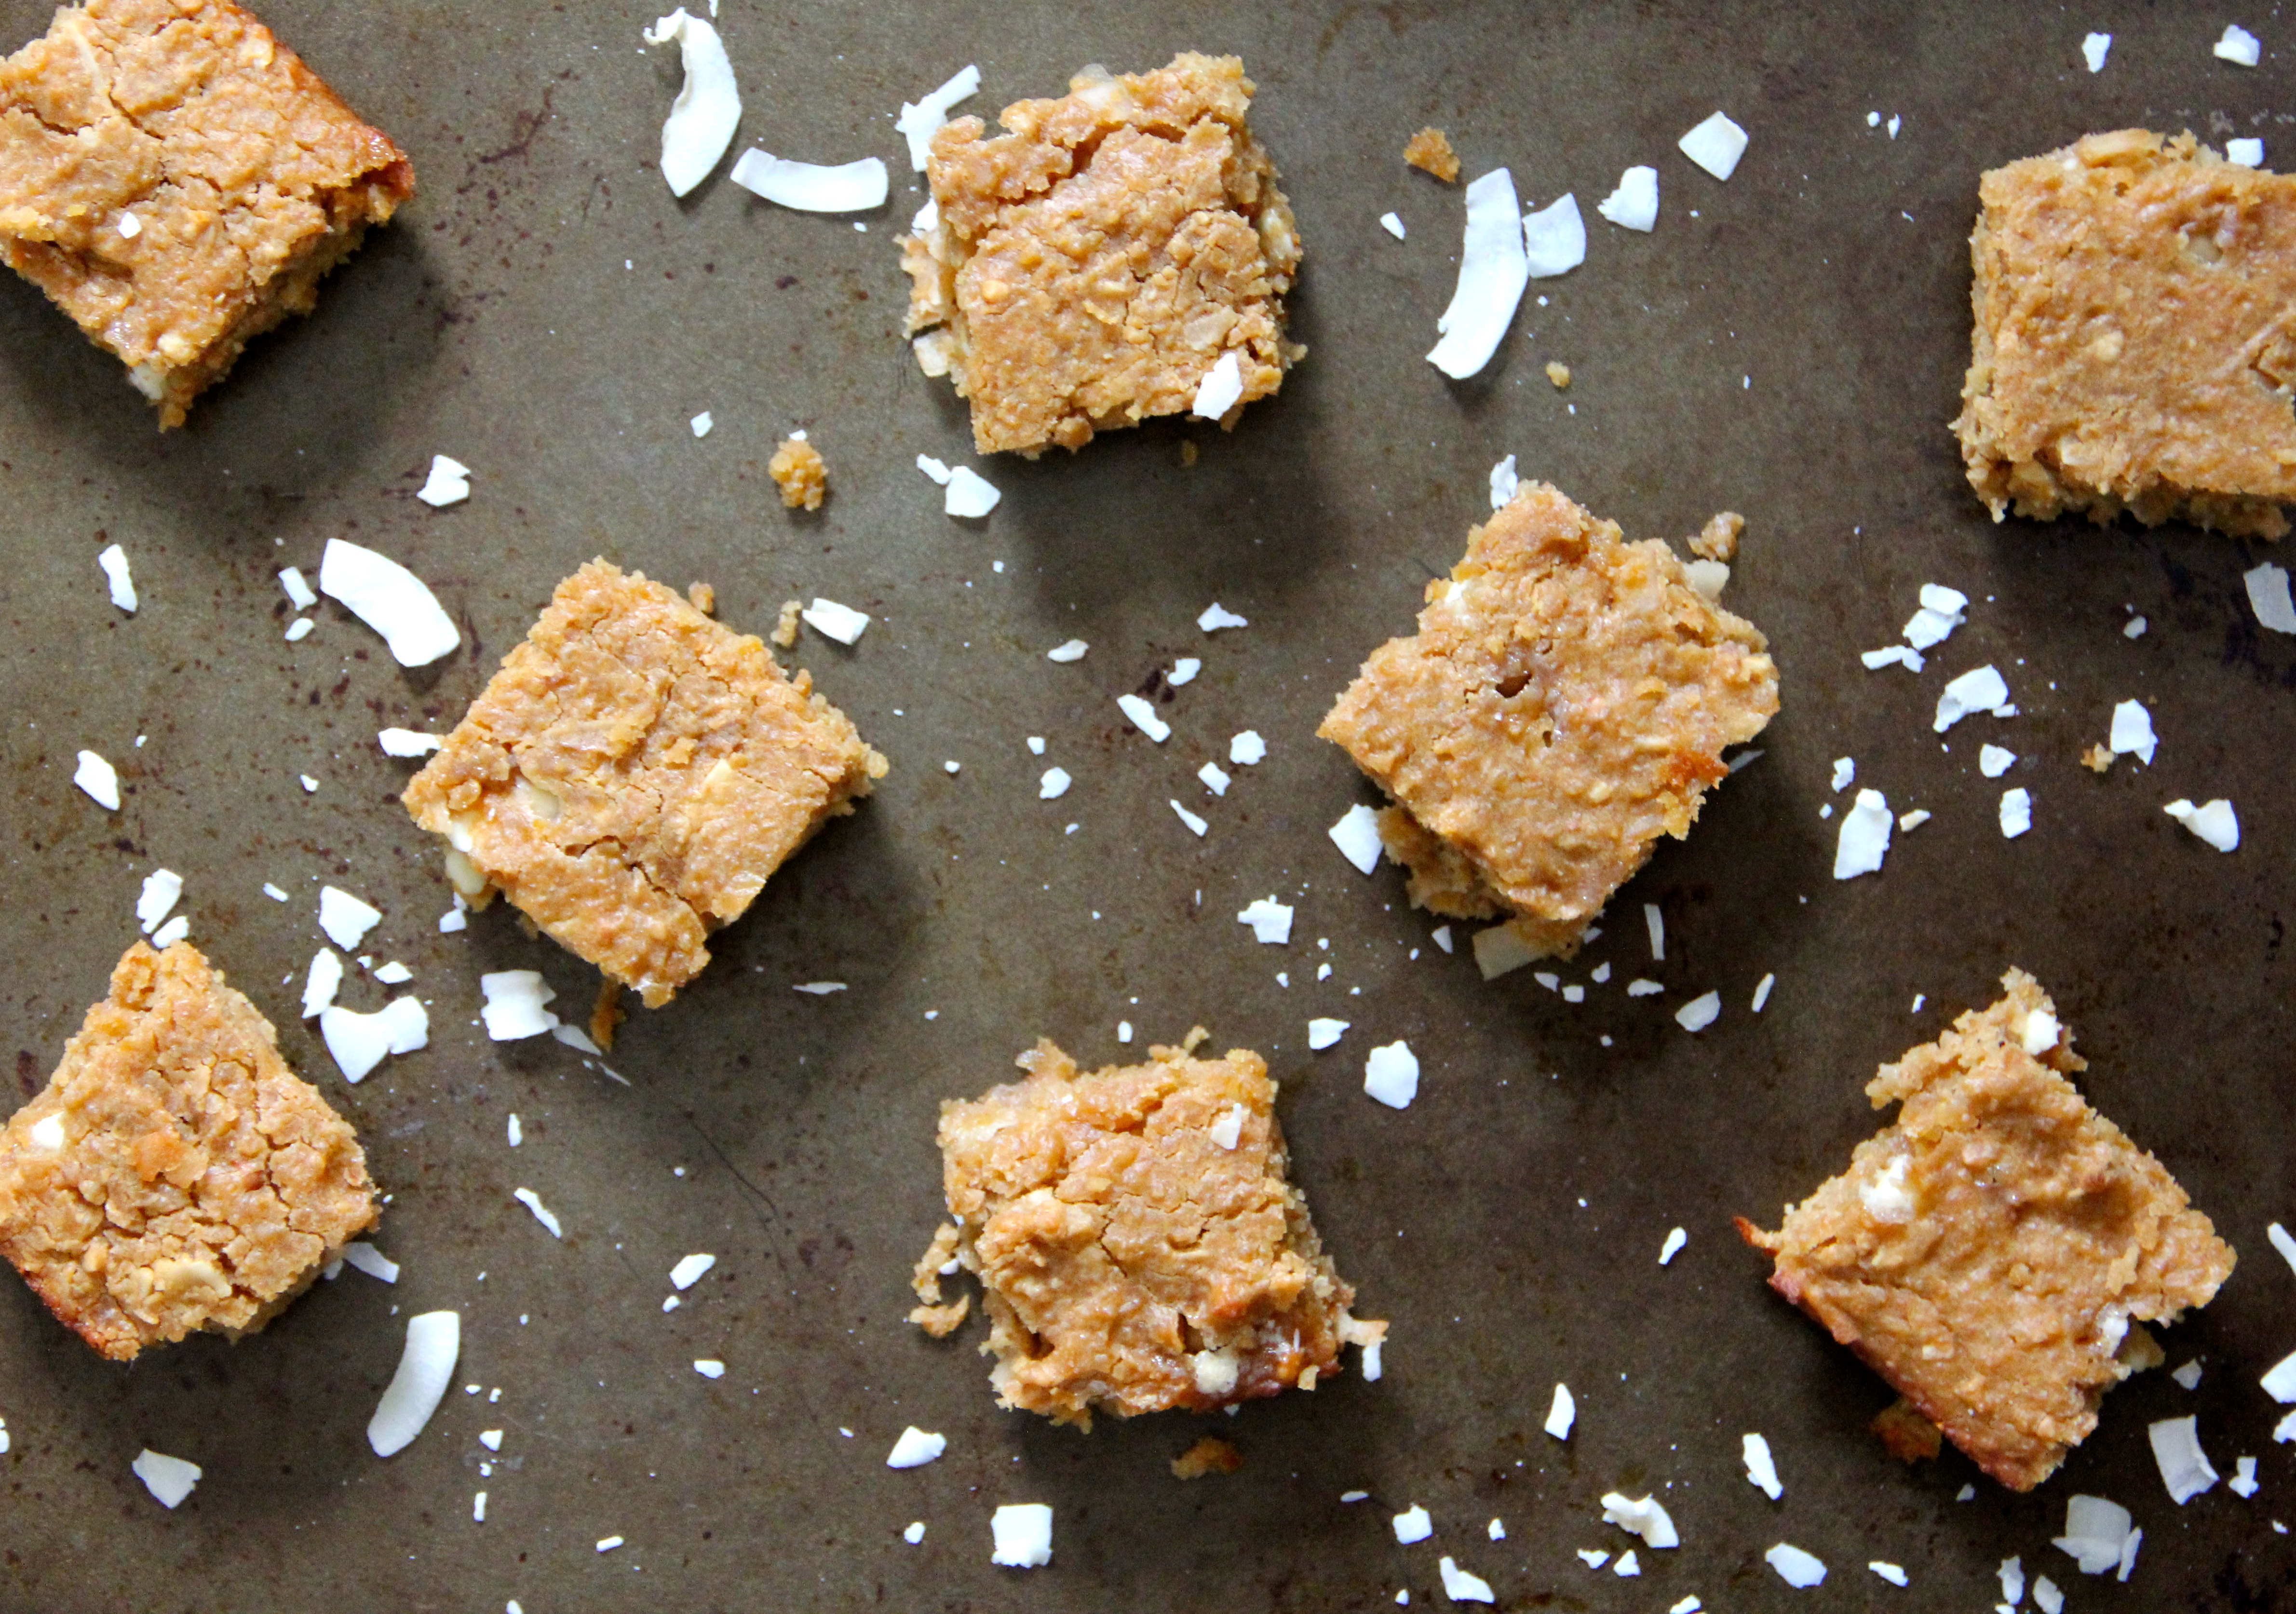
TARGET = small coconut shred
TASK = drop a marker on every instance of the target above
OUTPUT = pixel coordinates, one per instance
(800, 471)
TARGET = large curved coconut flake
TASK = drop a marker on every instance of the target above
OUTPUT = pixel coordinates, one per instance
(1493, 271)
(811, 187)
(391, 600)
(434, 1339)
(700, 122)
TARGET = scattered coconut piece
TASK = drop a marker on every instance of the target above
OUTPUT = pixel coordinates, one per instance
(2285, 1244)
(812, 187)
(920, 118)
(1715, 146)
(1392, 223)
(360, 1042)
(1220, 389)
(167, 935)
(608, 1543)
(2238, 46)
(2016, 813)
(1144, 717)
(1863, 840)
(1700, 1012)
(1413, 1525)
(703, 423)
(2185, 1467)
(1023, 1534)
(1645, 1518)
(1676, 1239)
(169, 1479)
(407, 741)
(2132, 731)
(709, 105)
(391, 600)
(970, 497)
(1887, 1571)
(162, 888)
(841, 623)
(2245, 154)
(515, 1004)
(1795, 1567)
(1634, 205)
(2242, 1483)
(1499, 951)
(1995, 760)
(915, 1533)
(1459, 1585)
(370, 1261)
(1270, 921)
(709, 1367)
(1215, 778)
(448, 483)
(1628, 1566)
(1505, 482)
(2188, 1376)
(1183, 671)
(1323, 1034)
(2280, 1381)
(1056, 783)
(1592, 1558)
(1554, 242)
(1357, 835)
(689, 1270)
(1494, 268)
(533, 1202)
(2268, 598)
(1941, 611)
(934, 468)
(434, 1340)
(2094, 48)
(1562, 1413)
(1391, 1074)
(116, 575)
(1760, 1468)
(2097, 1534)
(2214, 823)
(915, 1448)
(1980, 690)
(321, 982)
(1216, 616)
(1845, 771)
(345, 918)
(1196, 825)
(99, 779)
(1896, 654)
(1247, 749)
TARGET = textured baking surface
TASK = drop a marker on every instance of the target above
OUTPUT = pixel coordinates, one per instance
(635, 774)
(1094, 263)
(1994, 1252)
(1130, 1261)
(1565, 702)
(2133, 350)
(175, 1174)
(178, 181)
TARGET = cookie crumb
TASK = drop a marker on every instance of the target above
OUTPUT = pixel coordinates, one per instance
(1904, 1433)
(1429, 151)
(800, 472)
(1188, 452)
(703, 598)
(1559, 373)
(1209, 1455)
(1717, 540)
(784, 632)
(606, 1014)
(2096, 759)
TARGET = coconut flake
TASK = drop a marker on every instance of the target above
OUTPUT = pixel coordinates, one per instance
(1024, 1533)
(319, 984)
(2268, 597)
(709, 1367)
(1323, 1034)
(841, 623)
(1247, 749)
(970, 497)
(915, 1448)
(812, 187)
(542, 1213)
(1391, 1074)
(1413, 1525)
(1715, 146)
(2189, 1375)
(1676, 1239)
(709, 105)
(2280, 1382)
(1980, 690)
(920, 118)
(934, 468)
(1215, 777)
(2214, 823)
(1700, 1012)
(114, 563)
(689, 1270)
(407, 741)
(2016, 813)
(2094, 48)
(1216, 616)
(2097, 1534)
(1896, 654)
(360, 1042)
(1196, 825)
(1183, 671)
(48, 1132)
(1145, 718)
(1593, 1558)
(2185, 1467)
(1054, 784)
(2242, 1483)
(1494, 268)
(1887, 1571)
(1994, 760)
(2244, 153)
(1760, 1469)
(391, 600)
(1562, 1413)
(1645, 1518)
(1941, 611)
(514, 1006)
(1795, 1567)
(449, 483)
(2132, 731)
(2285, 1244)
(162, 888)
(1505, 482)
(1460, 1587)
(1554, 238)
(169, 1479)
(1392, 224)
(1634, 205)
(1270, 921)
(99, 779)
(434, 1339)
(1863, 840)
(345, 918)
(370, 1260)
(1073, 650)
(2238, 46)
(1357, 835)
(1221, 386)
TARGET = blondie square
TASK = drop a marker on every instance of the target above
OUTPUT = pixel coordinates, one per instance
(634, 774)
(1565, 702)
(2135, 337)
(178, 181)
(1993, 1253)
(1091, 267)
(1138, 1244)
(176, 1175)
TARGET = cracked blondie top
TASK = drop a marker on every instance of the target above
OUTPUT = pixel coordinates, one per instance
(2135, 339)
(178, 181)
(1993, 1253)
(1087, 268)
(633, 776)
(1138, 1244)
(176, 1175)
(1565, 702)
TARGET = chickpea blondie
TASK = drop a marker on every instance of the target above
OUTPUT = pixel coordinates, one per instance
(1994, 1253)
(178, 181)
(1139, 1245)
(2134, 342)
(633, 776)
(1091, 265)
(175, 1174)
(1565, 702)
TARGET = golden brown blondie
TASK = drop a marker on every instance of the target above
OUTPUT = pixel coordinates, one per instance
(1565, 702)
(2135, 337)
(1138, 1243)
(178, 181)
(175, 1174)
(633, 776)
(1091, 265)
(1993, 1254)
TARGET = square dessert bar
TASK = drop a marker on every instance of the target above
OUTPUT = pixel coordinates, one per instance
(633, 776)
(1138, 1244)
(175, 1174)
(178, 181)
(1993, 1253)
(2135, 337)
(1565, 702)
(1092, 265)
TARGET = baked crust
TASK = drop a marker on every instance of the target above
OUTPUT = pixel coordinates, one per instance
(1993, 1252)
(175, 1174)
(245, 177)
(634, 774)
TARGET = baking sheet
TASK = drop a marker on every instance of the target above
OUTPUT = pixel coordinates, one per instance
(1788, 345)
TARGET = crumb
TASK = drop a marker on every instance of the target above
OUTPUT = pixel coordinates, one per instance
(632, 776)
(784, 632)
(1209, 1455)
(178, 181)
(175, 1174)
(1558, 372)
(1904, 1433)
(2098, 759)
(1187, 452)
(1429, 151)
(800, 472)
(2128, 352)
(1717, 540)
(702, 597)
(1195, 249)
(1993, 1253)
(606, 1014)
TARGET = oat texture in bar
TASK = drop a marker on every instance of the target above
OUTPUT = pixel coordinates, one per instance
(175, 1174)
(1132, 1259)
(633, 775)
(1995, 1253)
(178, 181)
(1089, 267)
(2134, 349)
(1565, 702)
